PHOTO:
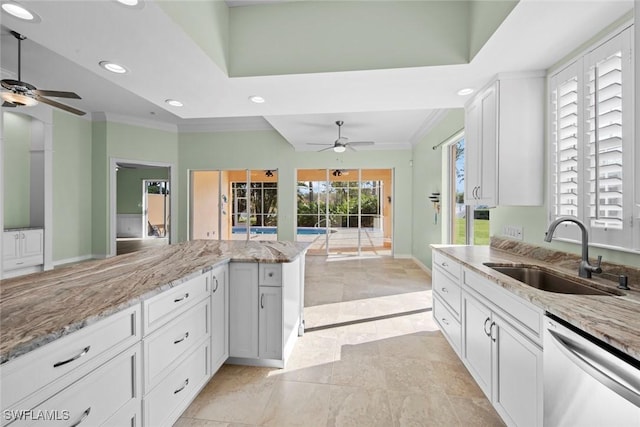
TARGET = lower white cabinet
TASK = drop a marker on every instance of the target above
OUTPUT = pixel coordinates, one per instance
(243, 310)
(270, 323)
(95, 400)
(22, 248)
(164, 404)
(219, 316)
(505, 363)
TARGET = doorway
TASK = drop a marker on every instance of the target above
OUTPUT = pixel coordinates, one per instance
(345, 211)
(155, 208)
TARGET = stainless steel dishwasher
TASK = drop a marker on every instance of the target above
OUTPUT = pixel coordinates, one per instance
(586, 382)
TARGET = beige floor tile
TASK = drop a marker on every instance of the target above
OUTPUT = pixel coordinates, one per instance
(193, 422)
(455, 380)
(297, 404)
(355, 407)
(365, 372)
(421, 409)
(409, 375)
(475, 412)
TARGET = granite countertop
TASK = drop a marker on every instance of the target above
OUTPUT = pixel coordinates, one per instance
(38, 308)
(613, 319)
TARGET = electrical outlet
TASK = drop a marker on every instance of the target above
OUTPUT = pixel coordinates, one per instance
(513, 232)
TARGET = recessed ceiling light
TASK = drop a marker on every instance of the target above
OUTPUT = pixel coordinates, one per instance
(257, 99)
(19, 11)
(465, 91)
(113, 67)
(173, 102)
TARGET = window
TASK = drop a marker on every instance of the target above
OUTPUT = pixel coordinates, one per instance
(469, 226)
(591, 163)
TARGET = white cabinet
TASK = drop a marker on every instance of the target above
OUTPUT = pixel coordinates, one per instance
(243, 310)
(446, 298)
(264, 312)
(504, 142)
(22, 248)
(500, 355)
(270, 323)
(219, 317)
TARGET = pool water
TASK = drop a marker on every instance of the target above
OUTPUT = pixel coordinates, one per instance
(274, 230)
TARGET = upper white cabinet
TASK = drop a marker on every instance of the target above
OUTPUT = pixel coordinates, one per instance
(23, 248)
(504, 142)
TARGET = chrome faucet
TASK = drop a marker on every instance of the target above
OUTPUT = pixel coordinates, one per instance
(584, 269)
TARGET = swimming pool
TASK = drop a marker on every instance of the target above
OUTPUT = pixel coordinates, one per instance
(274, 230)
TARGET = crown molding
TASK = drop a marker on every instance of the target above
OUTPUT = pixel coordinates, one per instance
(429, 123)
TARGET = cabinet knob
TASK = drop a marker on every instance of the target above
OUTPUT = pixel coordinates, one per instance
(445, 290)
(270, 274)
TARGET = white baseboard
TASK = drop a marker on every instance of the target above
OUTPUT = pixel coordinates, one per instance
(73, 259)
(421, 265)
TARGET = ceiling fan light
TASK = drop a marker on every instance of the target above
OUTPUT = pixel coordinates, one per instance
(339, 148)
(18, 99)
(128, 2)
(19, 11)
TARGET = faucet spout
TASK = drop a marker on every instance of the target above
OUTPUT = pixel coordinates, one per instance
(585, 268)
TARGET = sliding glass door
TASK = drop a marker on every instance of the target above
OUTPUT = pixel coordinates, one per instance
(343, 211)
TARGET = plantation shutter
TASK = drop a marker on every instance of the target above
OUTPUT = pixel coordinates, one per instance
(608, 139)
(565, 146)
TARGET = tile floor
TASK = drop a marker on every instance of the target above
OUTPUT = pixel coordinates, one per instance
(371, 356)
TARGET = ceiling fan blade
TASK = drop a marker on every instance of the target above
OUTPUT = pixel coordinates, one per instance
(57, 94)
(361, 143)
(59, 105)
(317, 143)
(350, 147)
(8, 104)
(325, 149)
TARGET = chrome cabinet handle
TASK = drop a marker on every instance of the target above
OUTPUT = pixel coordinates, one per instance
(184, 337)
(602, 366)
(76, 357)
(183, 298)
(85, 414)
(186, 383)
(487, 333)
(445, 321)
(216, 288)
(491, 331)
(445, 290)
(444, 264)
(262, 301)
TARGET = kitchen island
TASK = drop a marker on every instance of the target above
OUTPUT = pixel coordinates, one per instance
(132, 339)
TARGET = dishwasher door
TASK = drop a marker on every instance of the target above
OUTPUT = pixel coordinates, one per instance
(585, 384)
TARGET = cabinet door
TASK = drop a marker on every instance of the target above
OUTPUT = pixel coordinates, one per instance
(11, 245)
(219, 318)
(488, 156)
(472, 148)
(32, 242)
(270, 341)
(243, 310)
(518, 381)
(477, 343)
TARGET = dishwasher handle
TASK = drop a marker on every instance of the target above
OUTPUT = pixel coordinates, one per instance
(602, 366)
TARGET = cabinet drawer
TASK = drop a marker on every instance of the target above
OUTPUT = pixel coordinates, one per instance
(166, 344)
(447, 290)
(57, 364)
(446, 264)
(448, 323)
(15, 263)
(95, 398)
(171, 397)
(269, 275)
(169, 304)
(520, 313)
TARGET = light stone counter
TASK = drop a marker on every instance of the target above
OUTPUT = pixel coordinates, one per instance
(613, 319)
(39, 308)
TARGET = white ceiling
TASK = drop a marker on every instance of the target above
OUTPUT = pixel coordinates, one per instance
(393, 107)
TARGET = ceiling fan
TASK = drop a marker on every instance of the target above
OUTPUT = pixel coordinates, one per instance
(19, 93)
(342, 143)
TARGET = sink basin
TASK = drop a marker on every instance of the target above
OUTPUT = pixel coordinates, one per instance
(546, 280)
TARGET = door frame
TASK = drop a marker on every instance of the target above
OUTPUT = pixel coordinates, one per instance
(113, 199)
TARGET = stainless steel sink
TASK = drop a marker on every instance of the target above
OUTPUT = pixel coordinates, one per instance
(546, 280)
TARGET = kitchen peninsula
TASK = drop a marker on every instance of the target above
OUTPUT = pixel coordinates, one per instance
(162, 315)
